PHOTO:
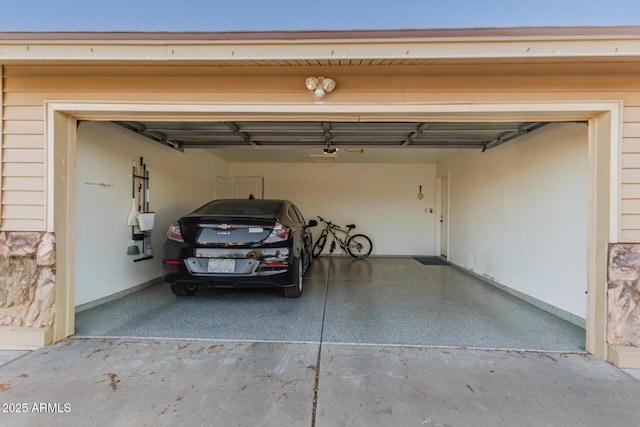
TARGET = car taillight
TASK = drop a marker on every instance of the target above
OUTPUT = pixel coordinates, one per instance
(276, 264)
(278, 234)
(174, 233)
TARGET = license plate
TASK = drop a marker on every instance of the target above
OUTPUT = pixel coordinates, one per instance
(221, 266)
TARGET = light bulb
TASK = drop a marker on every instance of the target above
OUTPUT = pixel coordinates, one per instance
(328, 84)
(311, 83)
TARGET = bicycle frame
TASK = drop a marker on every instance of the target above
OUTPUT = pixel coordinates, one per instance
(332, 228)
(357, 245)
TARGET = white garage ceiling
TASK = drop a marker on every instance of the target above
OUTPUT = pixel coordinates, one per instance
(352, 142)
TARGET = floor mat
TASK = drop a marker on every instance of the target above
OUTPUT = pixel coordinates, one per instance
(431, 260)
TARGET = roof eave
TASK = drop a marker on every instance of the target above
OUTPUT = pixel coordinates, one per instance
(488, 44)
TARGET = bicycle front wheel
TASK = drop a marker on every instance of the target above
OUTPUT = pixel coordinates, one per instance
(319, 245)
(359, 246)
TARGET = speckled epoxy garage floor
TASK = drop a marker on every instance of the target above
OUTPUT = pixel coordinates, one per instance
(391, 301)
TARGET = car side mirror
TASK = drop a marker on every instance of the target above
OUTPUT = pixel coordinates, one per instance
(312, 223)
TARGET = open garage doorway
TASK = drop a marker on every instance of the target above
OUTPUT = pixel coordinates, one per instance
(604, 134)
(514, 198)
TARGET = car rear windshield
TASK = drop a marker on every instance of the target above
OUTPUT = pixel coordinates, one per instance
(241, 207)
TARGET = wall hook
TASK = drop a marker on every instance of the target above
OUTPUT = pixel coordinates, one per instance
(100, 184)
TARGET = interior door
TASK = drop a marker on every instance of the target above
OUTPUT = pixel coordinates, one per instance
(222, 188)
(243, 186)
(444, 217)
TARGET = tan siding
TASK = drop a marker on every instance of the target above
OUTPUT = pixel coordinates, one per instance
(631, 160)
(23, 127)
(19, 224)
(276, 84)
(19, 155)
(28, 99)
(33, 99)
(23, 169)
(23, 212)
(629, 97)
(22, 183)
(631, 145)
(553, 84)
(630, 236)
(630, 221)
(631, 114)
(23, 113)
(2, 97)
(24, 141)
(151, 84)
(23, 197)
(26, 88)
(630, 176)
(631, 130)
(13, 99)
(631, 191)
(630, 206)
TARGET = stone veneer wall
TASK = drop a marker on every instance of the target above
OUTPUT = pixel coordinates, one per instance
(623, 295)
(27, 279)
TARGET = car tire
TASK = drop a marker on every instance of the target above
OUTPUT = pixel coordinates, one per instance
(296, 290)
(183, 290)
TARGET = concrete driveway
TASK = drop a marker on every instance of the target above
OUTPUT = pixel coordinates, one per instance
(386, 342)
(147, 382)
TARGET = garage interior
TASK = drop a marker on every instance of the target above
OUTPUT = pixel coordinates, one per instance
(387, 177)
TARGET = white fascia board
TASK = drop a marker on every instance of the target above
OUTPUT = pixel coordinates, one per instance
(515, 48)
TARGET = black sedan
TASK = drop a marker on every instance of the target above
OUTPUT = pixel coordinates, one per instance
(238, 242)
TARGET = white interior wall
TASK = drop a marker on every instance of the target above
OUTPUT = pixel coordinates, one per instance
(179, 183)
(381, 199)
(518, 214)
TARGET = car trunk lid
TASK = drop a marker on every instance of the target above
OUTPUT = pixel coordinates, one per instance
(218, 231)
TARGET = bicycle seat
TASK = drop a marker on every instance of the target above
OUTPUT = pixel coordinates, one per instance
(351, 226)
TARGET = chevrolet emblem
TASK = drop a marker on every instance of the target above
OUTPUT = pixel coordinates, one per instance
(224, 226)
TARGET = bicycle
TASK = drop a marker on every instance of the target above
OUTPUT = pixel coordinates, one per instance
(358, 245)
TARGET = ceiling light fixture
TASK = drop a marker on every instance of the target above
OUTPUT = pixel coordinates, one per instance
(320, 86)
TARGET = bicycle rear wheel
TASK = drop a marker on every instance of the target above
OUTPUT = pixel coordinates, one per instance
(319, 245)
(359, 246)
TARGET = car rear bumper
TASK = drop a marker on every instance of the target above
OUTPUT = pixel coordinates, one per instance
(171, 274)
(230, 268)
